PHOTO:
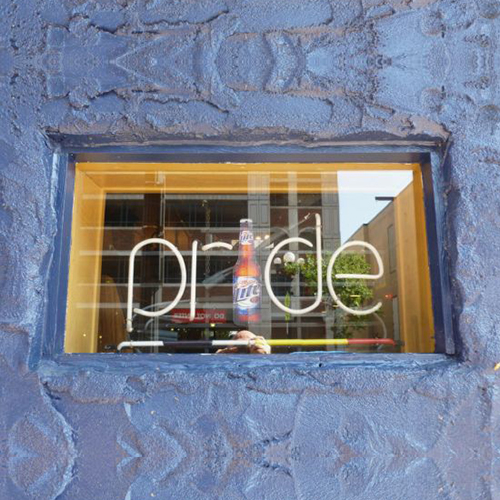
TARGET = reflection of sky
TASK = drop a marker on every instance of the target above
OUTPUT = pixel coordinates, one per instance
(357, 191)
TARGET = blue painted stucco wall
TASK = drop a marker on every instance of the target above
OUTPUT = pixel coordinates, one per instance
(301, 72)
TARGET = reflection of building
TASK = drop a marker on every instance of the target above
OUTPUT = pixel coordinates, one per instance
(115, 215)
(294, 210)
(398, 233)
(120, 210)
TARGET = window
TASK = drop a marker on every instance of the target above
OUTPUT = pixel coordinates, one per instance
(243, 238)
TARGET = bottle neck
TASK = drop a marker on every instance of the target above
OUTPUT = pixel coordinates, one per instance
(246, 240)
(247, 250)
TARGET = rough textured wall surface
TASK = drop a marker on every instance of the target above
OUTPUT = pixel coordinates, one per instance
(233, 71)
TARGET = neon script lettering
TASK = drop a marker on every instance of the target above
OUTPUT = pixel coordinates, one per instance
(247, 291)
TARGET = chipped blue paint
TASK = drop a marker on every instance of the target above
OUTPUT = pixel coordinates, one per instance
(302, 73)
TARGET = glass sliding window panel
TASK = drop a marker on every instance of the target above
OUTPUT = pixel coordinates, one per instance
(369, 219)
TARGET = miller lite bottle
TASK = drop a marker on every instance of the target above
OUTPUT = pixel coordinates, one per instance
(246, 279)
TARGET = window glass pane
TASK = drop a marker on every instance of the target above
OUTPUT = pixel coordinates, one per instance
(364, 215)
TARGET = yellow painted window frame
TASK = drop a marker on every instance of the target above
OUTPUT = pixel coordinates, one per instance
(94, 180)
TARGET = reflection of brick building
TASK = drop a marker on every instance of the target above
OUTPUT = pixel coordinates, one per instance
(280, 206)
(404, 290)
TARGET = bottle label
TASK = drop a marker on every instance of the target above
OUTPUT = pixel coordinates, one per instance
(246, 293)
(246, 237)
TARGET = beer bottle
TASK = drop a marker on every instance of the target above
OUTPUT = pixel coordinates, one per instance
(246, 279)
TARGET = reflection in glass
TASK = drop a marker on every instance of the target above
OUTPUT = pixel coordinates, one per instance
(118, 207)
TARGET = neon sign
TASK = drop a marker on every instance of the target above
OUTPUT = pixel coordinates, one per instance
(267, 276)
